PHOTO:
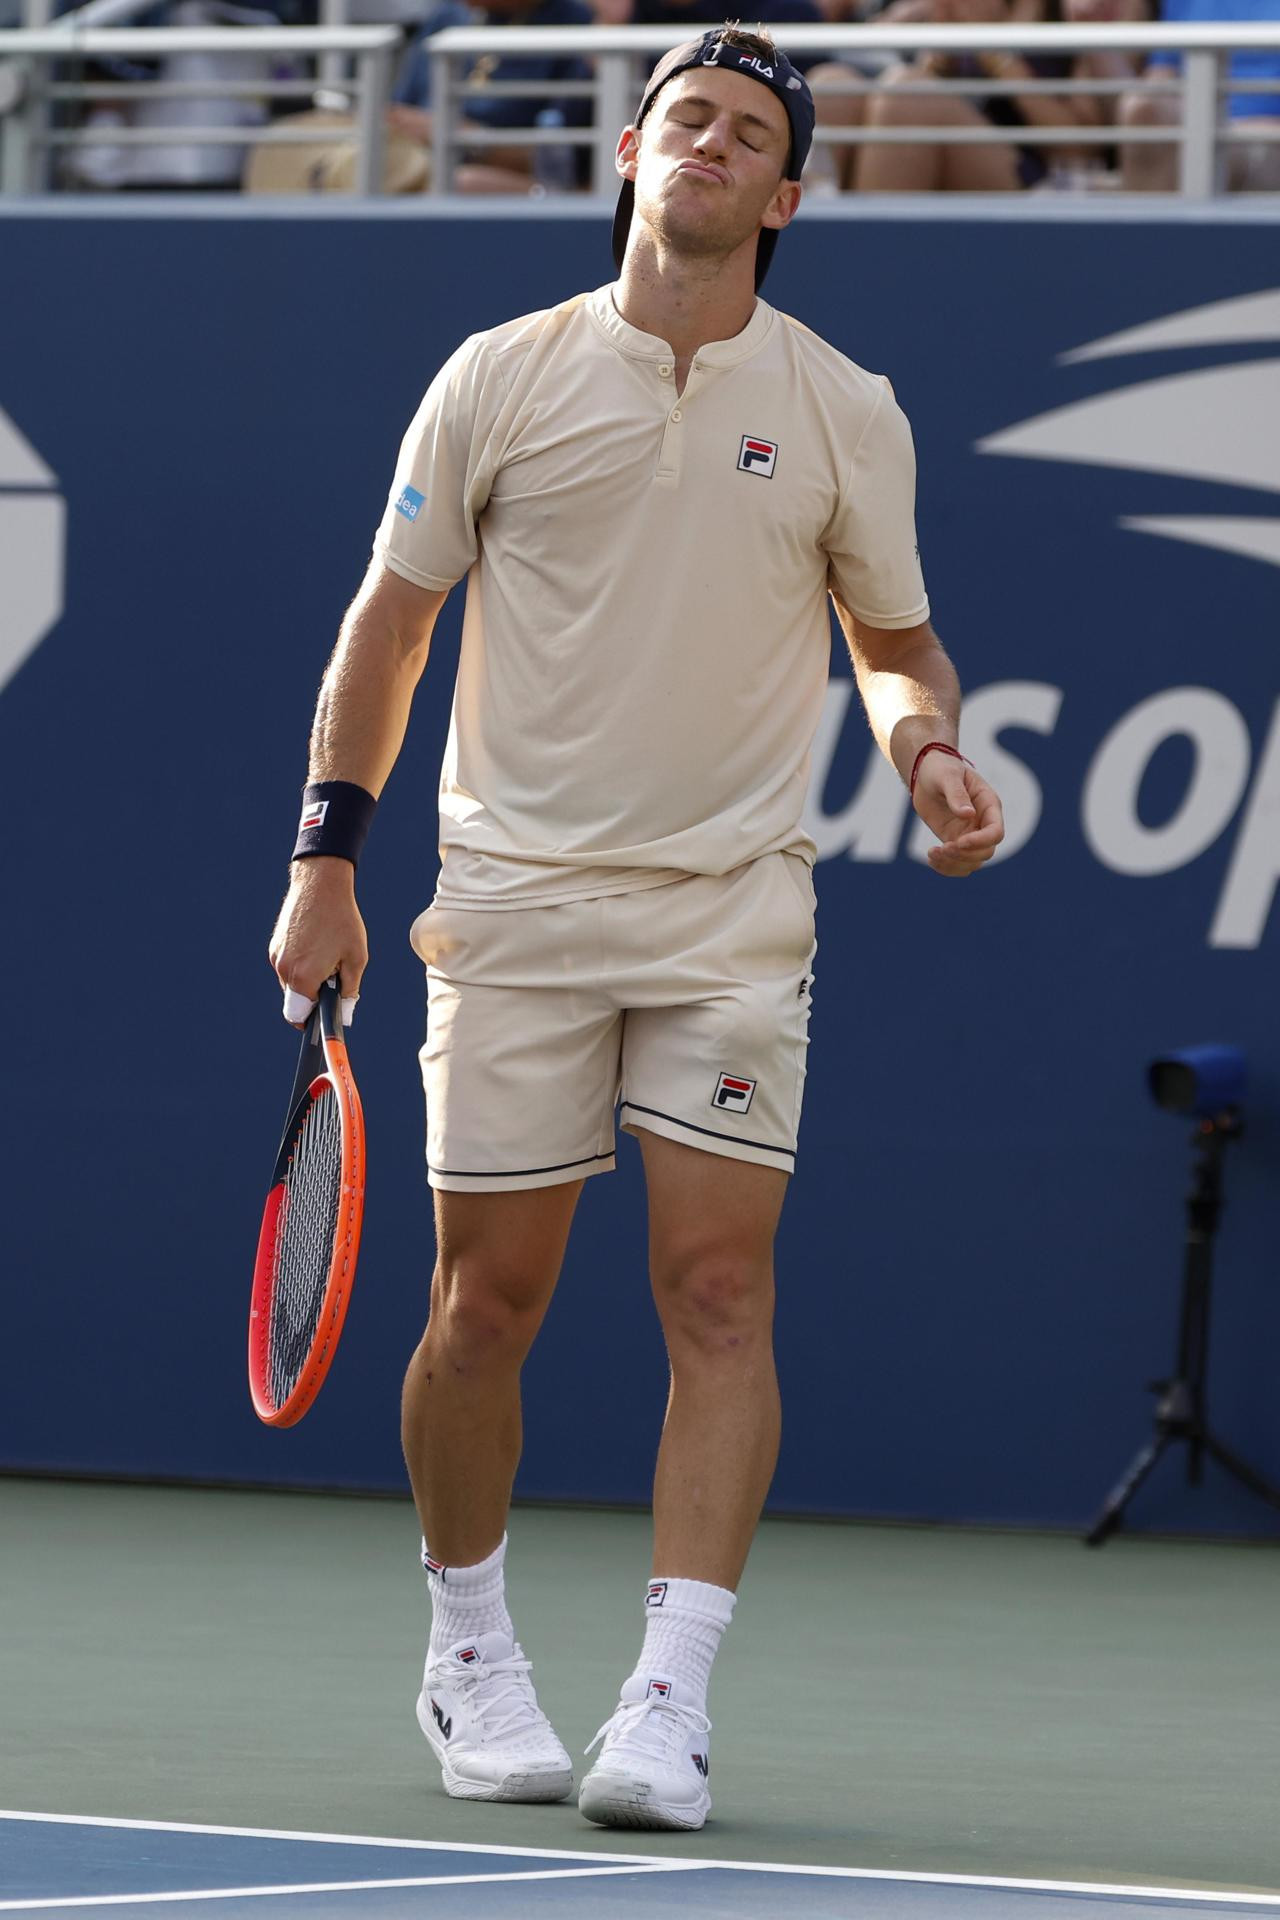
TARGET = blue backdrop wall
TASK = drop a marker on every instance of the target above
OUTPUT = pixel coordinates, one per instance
(980, 1257)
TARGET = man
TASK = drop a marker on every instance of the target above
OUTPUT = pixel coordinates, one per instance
(650, 489)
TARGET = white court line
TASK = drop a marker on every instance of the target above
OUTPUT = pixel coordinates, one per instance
(333, 1886)
(1099, 1889)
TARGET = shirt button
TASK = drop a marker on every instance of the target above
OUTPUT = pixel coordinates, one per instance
(677, 415)
(665, 372)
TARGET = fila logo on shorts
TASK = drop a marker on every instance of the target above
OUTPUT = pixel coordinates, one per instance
(410, 503)
(657, 1593)
(732, 1094)
(757, 456)
(659, 1690)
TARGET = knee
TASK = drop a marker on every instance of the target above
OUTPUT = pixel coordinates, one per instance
(483, 1314)
(889, 106)
(1140, 109)
(714, 1302)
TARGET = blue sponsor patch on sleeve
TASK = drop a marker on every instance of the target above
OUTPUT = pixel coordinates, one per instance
(410, 502)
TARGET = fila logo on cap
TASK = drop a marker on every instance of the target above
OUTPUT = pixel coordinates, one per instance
(757, 456)
(313, 813)
(657, 1593)
(733, 1093)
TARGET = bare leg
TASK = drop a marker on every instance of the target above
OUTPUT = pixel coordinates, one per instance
(711, 1227)
(499, 1260)
(837, 106)
(928, 166)
(1147, 168)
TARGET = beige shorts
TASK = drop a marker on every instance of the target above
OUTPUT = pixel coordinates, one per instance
(685, 1007)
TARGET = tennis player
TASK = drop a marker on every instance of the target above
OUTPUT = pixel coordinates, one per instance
(651, 490)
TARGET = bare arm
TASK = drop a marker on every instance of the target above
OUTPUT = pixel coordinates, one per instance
(911, 695)
(359, 728)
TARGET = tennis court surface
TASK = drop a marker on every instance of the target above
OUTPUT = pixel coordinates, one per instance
(207, 1704)
(69, 1865)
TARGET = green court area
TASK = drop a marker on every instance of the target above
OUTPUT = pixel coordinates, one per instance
(906, 1699)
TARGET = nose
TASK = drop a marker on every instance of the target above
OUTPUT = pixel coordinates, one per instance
(713, 139)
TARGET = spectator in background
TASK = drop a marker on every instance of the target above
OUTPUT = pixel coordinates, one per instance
(1251, 167)
(987, 167)
(504, 169)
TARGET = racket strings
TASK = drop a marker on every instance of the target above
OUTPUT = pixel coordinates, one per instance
(306, 1230)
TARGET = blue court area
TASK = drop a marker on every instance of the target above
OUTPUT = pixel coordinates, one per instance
(62, 1863)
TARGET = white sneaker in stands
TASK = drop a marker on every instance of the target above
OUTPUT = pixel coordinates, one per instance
(481, 1716)
(653, 1766)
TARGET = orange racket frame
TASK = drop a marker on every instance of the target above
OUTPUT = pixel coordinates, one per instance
(323, 1063)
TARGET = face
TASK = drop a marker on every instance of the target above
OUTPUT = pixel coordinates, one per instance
(708, 162)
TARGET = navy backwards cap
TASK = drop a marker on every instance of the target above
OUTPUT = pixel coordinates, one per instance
(718, 48)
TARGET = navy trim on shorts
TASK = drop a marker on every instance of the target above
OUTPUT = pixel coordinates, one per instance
(512, 1173)
(710, 1132)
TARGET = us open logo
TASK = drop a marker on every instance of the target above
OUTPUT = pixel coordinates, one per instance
(733, 1094)
(757, 456)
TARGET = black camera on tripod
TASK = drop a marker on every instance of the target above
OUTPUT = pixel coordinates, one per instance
(1207, 1082)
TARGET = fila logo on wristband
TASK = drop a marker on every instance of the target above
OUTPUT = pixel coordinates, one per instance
(313, 813)
(657, 1593)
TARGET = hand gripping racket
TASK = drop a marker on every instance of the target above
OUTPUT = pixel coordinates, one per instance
(310, 1227)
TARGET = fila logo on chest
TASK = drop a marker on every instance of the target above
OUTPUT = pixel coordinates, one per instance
(757, 456)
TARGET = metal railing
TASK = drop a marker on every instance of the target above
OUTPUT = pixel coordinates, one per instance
(358, 62)
(622, 56)
(30, 58)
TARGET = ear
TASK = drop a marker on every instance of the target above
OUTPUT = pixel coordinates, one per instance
(781, 209)
(627, 156)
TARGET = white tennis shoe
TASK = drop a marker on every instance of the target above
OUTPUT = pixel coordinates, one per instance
(655, 1761)
(481, 1717)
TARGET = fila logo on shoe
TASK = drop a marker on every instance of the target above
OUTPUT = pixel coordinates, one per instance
(757, 456)
(468, 1656)
(733, 1094)
(659, 1690)
(702, 1763)
(445, 1726)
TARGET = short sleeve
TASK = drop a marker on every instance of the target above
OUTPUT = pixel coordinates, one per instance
(873, 559)
(445, 470)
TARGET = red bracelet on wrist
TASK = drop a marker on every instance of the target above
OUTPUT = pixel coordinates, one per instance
(933, 746)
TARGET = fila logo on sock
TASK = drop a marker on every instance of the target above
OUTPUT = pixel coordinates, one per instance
(659, 1690)
(468, 1656)
(657, 1593)
(732, 1094)
(433, 1566)
(757, 456)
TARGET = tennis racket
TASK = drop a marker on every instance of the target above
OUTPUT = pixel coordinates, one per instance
(310, 1226)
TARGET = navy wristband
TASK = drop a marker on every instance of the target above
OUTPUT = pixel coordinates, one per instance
(336, 817)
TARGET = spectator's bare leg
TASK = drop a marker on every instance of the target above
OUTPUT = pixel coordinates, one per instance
(836, 106)
(1151, 167)
(927, 166)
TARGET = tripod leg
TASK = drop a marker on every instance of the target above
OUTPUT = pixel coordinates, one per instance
(1243, 1472)
(1113, 1510)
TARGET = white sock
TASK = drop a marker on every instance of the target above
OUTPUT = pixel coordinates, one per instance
(684, 1620)
(466, 1601)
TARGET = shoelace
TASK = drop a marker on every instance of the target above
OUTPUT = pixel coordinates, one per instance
(512, 1706)
(655, 1728)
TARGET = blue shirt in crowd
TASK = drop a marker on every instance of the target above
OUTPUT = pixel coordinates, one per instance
(1259, 65)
